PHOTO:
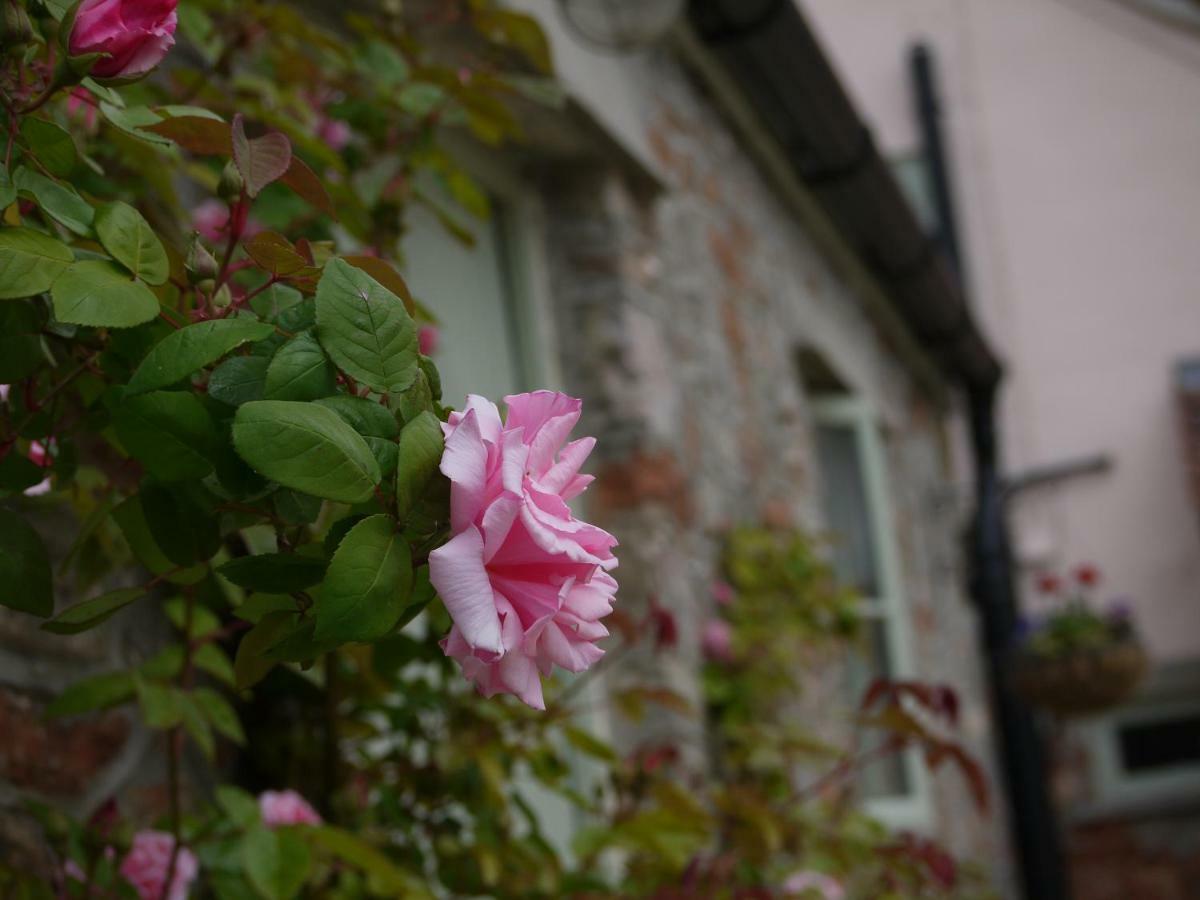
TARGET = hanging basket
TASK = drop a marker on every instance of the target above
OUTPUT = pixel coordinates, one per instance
(1082, 682)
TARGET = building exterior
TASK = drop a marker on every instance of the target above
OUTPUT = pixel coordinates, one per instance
(1074, 157)
(740, 361)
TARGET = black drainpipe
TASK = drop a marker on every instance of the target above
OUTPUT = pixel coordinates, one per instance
(1031, 812)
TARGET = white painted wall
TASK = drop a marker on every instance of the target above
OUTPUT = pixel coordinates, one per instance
(1075, 133)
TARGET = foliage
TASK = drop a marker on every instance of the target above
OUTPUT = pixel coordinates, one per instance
(1073, 625)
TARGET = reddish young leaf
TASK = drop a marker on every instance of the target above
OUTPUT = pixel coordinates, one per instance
(275, 253)
(261, 160)
(304, 181)
(198, 134)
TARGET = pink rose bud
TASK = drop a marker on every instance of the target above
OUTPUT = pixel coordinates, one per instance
(723, 593)
(286, 808)
(717, 641)
(525, 582)
(148, 862)
(134, 35)
(427, 339)
(334, 132)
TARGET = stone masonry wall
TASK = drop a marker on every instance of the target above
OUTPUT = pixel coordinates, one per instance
(680, 318)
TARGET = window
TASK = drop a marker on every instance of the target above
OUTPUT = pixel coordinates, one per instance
(853, 470)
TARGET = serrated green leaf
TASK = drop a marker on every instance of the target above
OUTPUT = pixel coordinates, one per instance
(276, 862)
(90, 613)
(191, 348)
(98, 692)
(183, 528)
(239, 380)
(197, 725)
(365, 328)
(421, 447)
(367, 585)
(212, 659)
(168, 432)
(274, 300)
(219, 712)
(274, 573)
(25, 578)
(305, 447)
(30, 262)
(131, 241)
(132, 521)
(50, 144)
(101, 293)
(204, 620)
(250, 663)
(161, 704)
(58, 201)
(300, 370)
(374, 422)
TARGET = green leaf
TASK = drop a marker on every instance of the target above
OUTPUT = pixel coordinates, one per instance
(276, 862)
(365, 328)
(168, 432)
(306, 447)
(161, 704)
(218, 711)
(25, 578)
(367, 585)
(274, 573)
(250, 664)
(241, 807)
(274, 300)
(300, 370)
(90, 613)
(21, 348)
(50, 144)
(58, 201)
(130, 240)
(204, 620)
(260, 160)
(193, 347)
(420, 98)
(588, 743)
(98, 292)
(17, 472)
(385, 876)
(98, 692)
(296, 507)
(239, 380)
(420, 453)
(212, 659)
(183, 528)
(30, 262)
(197, 725)
(132, 521)
(374, 422)
(8, 191)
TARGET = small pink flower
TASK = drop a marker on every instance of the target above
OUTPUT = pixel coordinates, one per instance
(211, 219)
(717, 641)
(334, 132)
(427, 339)
(810, 884)
(286, 808)
(723, 593)
(134, 35)
(525, 582)
(82, 107)
(3, 393)
(41, 453)
(149, 860)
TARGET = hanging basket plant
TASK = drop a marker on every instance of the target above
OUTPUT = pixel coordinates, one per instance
(1076, 661)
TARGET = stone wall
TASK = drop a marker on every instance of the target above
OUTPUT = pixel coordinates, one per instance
(681, 315)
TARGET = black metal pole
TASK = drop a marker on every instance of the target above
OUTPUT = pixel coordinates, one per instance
(1032, 820)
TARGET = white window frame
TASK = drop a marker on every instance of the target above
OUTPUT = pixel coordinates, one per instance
(912, 811)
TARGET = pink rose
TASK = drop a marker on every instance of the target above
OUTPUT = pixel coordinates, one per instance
(427, 339)
(524, 580)
(134, 35)
(286, 808)
(717, 641)
(147, 864)
(211, 219)
(723, 593)
(811, 884)
(334, 132)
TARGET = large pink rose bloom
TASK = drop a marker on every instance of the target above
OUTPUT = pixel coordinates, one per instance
(135, 35)
(286, 808)
(524, 580)
(147, 863)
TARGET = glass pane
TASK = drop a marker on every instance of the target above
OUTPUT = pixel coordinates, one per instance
(467, 289)
(847, 515)
(888, 777)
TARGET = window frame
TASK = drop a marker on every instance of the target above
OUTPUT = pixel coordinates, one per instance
(912, 810)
